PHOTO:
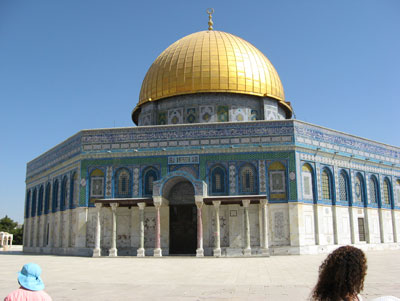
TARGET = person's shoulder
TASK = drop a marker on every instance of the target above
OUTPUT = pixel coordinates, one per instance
(23, 294)
(15, 295)
(44, 296)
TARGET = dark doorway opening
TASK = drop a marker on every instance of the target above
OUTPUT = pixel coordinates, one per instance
(361, 229)
(182, 219)
(182, 229)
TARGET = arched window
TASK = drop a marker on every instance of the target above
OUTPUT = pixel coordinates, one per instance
(73, 190)
(326, 184)
(373, 190)
(247, 179)
(359, 194)
(55, 196)
(28, 202)
(64, 192)
(218, 180)
(343, 186)
(47, 198)
(386, 192)
(123, 183)
(397, 189)
(40, 202)
(307, 177)
(34, 196)
(277, 180)
(97, 183)
(150, 176)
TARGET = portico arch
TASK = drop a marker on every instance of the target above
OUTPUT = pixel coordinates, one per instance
(162, 187)
(182, 193)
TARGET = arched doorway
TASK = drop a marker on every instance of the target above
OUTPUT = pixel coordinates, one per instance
(182, 219)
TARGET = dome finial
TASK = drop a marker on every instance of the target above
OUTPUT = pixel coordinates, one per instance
(210, 11)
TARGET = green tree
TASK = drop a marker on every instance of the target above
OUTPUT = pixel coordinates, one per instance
(8, 225)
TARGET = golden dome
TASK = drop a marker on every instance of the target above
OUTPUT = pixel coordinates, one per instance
(211, 61)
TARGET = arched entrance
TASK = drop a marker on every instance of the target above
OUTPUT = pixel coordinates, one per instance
(182, 219)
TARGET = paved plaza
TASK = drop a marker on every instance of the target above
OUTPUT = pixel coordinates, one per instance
(190, 278)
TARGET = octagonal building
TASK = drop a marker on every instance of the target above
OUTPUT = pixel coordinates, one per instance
(214, 167)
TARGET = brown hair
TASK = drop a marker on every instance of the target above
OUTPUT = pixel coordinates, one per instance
(341, 275)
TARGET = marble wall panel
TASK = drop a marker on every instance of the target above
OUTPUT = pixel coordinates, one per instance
(149, 227)
(123, 228)
(278, 217)
(373, 225)
(343, 225)
(387, 225)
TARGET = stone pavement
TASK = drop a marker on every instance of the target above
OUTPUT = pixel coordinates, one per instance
(190, 278)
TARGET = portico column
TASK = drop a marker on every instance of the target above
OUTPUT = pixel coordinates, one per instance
(97, 233)
(157, 250)
(217, 238)
(199, 205)
(113, 251)
(264, 246)
(141, 251)
(247, 249)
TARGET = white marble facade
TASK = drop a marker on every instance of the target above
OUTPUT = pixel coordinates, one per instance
(292, 229)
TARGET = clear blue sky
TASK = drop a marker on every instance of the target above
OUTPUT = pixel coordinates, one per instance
(72, 65)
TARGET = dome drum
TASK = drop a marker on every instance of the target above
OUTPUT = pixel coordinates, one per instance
(210, 107)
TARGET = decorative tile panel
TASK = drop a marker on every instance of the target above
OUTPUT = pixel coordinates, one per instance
(109, 171)
(136, 181)
(175, 116)
(162, 118)
(222, 113)
(145, 119)
(232, 179)
(191, 115)
(238, 114)
(207, 114)
(261, 176)
(253, 115)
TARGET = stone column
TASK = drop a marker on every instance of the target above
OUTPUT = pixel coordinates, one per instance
(157, 250)
(199, 250)
(51, 230)
(97, 233)
(335, 225)
(394, 225)
(60, 229)
(113, 252)
(32, 230)
(141, 251)
(264, 215)
(217, 236)
(35, 230)
(247, 249)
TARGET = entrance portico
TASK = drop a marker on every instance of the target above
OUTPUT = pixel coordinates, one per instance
(185, 233)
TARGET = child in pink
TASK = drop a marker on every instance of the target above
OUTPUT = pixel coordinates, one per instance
(31, 285)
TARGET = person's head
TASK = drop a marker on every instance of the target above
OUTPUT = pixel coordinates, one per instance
(341, 275)
(29, 277)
